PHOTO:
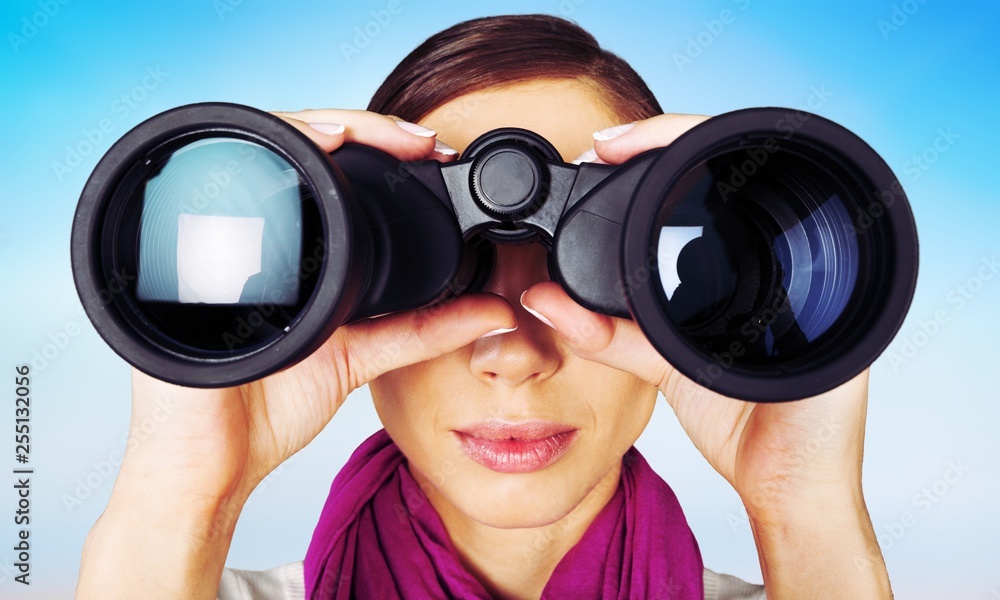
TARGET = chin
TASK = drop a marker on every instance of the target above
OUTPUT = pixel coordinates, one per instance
(512, 501)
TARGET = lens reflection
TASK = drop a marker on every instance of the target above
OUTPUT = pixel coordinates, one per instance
(221, 225)
(757, 262)
(223, 228)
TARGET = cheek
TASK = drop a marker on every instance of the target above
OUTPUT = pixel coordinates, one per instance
(409, 400)
(398, 397)
(622, 409)
(619, 406)
(421, 379)
(405, 410)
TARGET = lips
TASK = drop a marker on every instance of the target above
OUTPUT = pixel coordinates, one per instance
(516, 447)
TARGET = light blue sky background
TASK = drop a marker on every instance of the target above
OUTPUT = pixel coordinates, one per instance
(937, 71)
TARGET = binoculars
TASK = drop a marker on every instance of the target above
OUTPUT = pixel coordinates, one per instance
(215, 244)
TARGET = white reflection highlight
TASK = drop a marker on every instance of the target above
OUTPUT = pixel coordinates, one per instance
(672, 241)
(215, 256)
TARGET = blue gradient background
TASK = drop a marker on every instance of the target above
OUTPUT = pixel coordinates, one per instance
(937, 71)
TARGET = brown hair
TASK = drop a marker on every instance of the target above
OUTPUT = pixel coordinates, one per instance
(492, 51)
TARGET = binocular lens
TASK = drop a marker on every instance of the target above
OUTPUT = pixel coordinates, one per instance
(779, 266)
(765, 268)
(216, 230)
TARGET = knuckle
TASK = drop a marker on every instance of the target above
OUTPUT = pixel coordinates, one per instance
(593, 335)
(351, 356)
(426, 333)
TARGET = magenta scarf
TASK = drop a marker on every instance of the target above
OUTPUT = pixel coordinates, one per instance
(378, 537)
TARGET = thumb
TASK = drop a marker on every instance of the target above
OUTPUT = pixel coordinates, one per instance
(369, 348)
(612, 341)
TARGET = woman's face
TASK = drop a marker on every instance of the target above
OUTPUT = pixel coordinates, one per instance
(432, 409)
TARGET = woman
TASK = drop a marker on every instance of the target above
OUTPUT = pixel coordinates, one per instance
(442, 506)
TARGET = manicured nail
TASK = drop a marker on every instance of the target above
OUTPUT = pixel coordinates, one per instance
(443, 148)
(588, 156)
(612, 132)
(535, 313)
(497, 332)
(416, 129)
(328, 128)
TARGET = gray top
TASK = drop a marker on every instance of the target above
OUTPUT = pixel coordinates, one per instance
(287, 583)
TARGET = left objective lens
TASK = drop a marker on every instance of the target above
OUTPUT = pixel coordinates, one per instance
(214, 230)
(215, 244)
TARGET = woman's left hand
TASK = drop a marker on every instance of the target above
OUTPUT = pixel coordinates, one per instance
(795, 465)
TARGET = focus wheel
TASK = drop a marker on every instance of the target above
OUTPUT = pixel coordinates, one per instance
(509, 180)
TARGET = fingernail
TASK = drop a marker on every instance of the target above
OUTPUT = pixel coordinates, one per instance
(588, 156)
(497, 332)
(612, 132)
(328, 128)
(443, 148)
(535, 313)
(416, 129)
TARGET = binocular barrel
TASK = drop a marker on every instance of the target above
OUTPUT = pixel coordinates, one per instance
(214, 244)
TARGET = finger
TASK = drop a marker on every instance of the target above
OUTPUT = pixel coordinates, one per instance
(612, 341)
(618, 144)
(589, 156)
(328, 136)
(443, 152)
(615, 342)
(403, 140)
(367, 349)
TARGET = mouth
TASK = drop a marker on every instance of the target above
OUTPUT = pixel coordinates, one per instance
(516, 447)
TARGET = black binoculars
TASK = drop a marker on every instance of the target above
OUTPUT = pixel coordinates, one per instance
(215, 244)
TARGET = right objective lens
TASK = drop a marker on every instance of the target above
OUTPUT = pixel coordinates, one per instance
(769, 265)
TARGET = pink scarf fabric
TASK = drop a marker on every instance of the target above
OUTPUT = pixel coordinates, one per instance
(378, 538)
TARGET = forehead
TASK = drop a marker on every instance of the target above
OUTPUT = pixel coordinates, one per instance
(566, 112)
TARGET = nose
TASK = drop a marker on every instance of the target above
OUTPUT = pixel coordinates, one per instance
(530, 354)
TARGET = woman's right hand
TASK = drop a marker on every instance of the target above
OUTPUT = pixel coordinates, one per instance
(222, 443)
(199, 453)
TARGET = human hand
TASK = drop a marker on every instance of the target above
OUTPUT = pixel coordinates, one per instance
(195, 455)
(793, 463)
(220, 443)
